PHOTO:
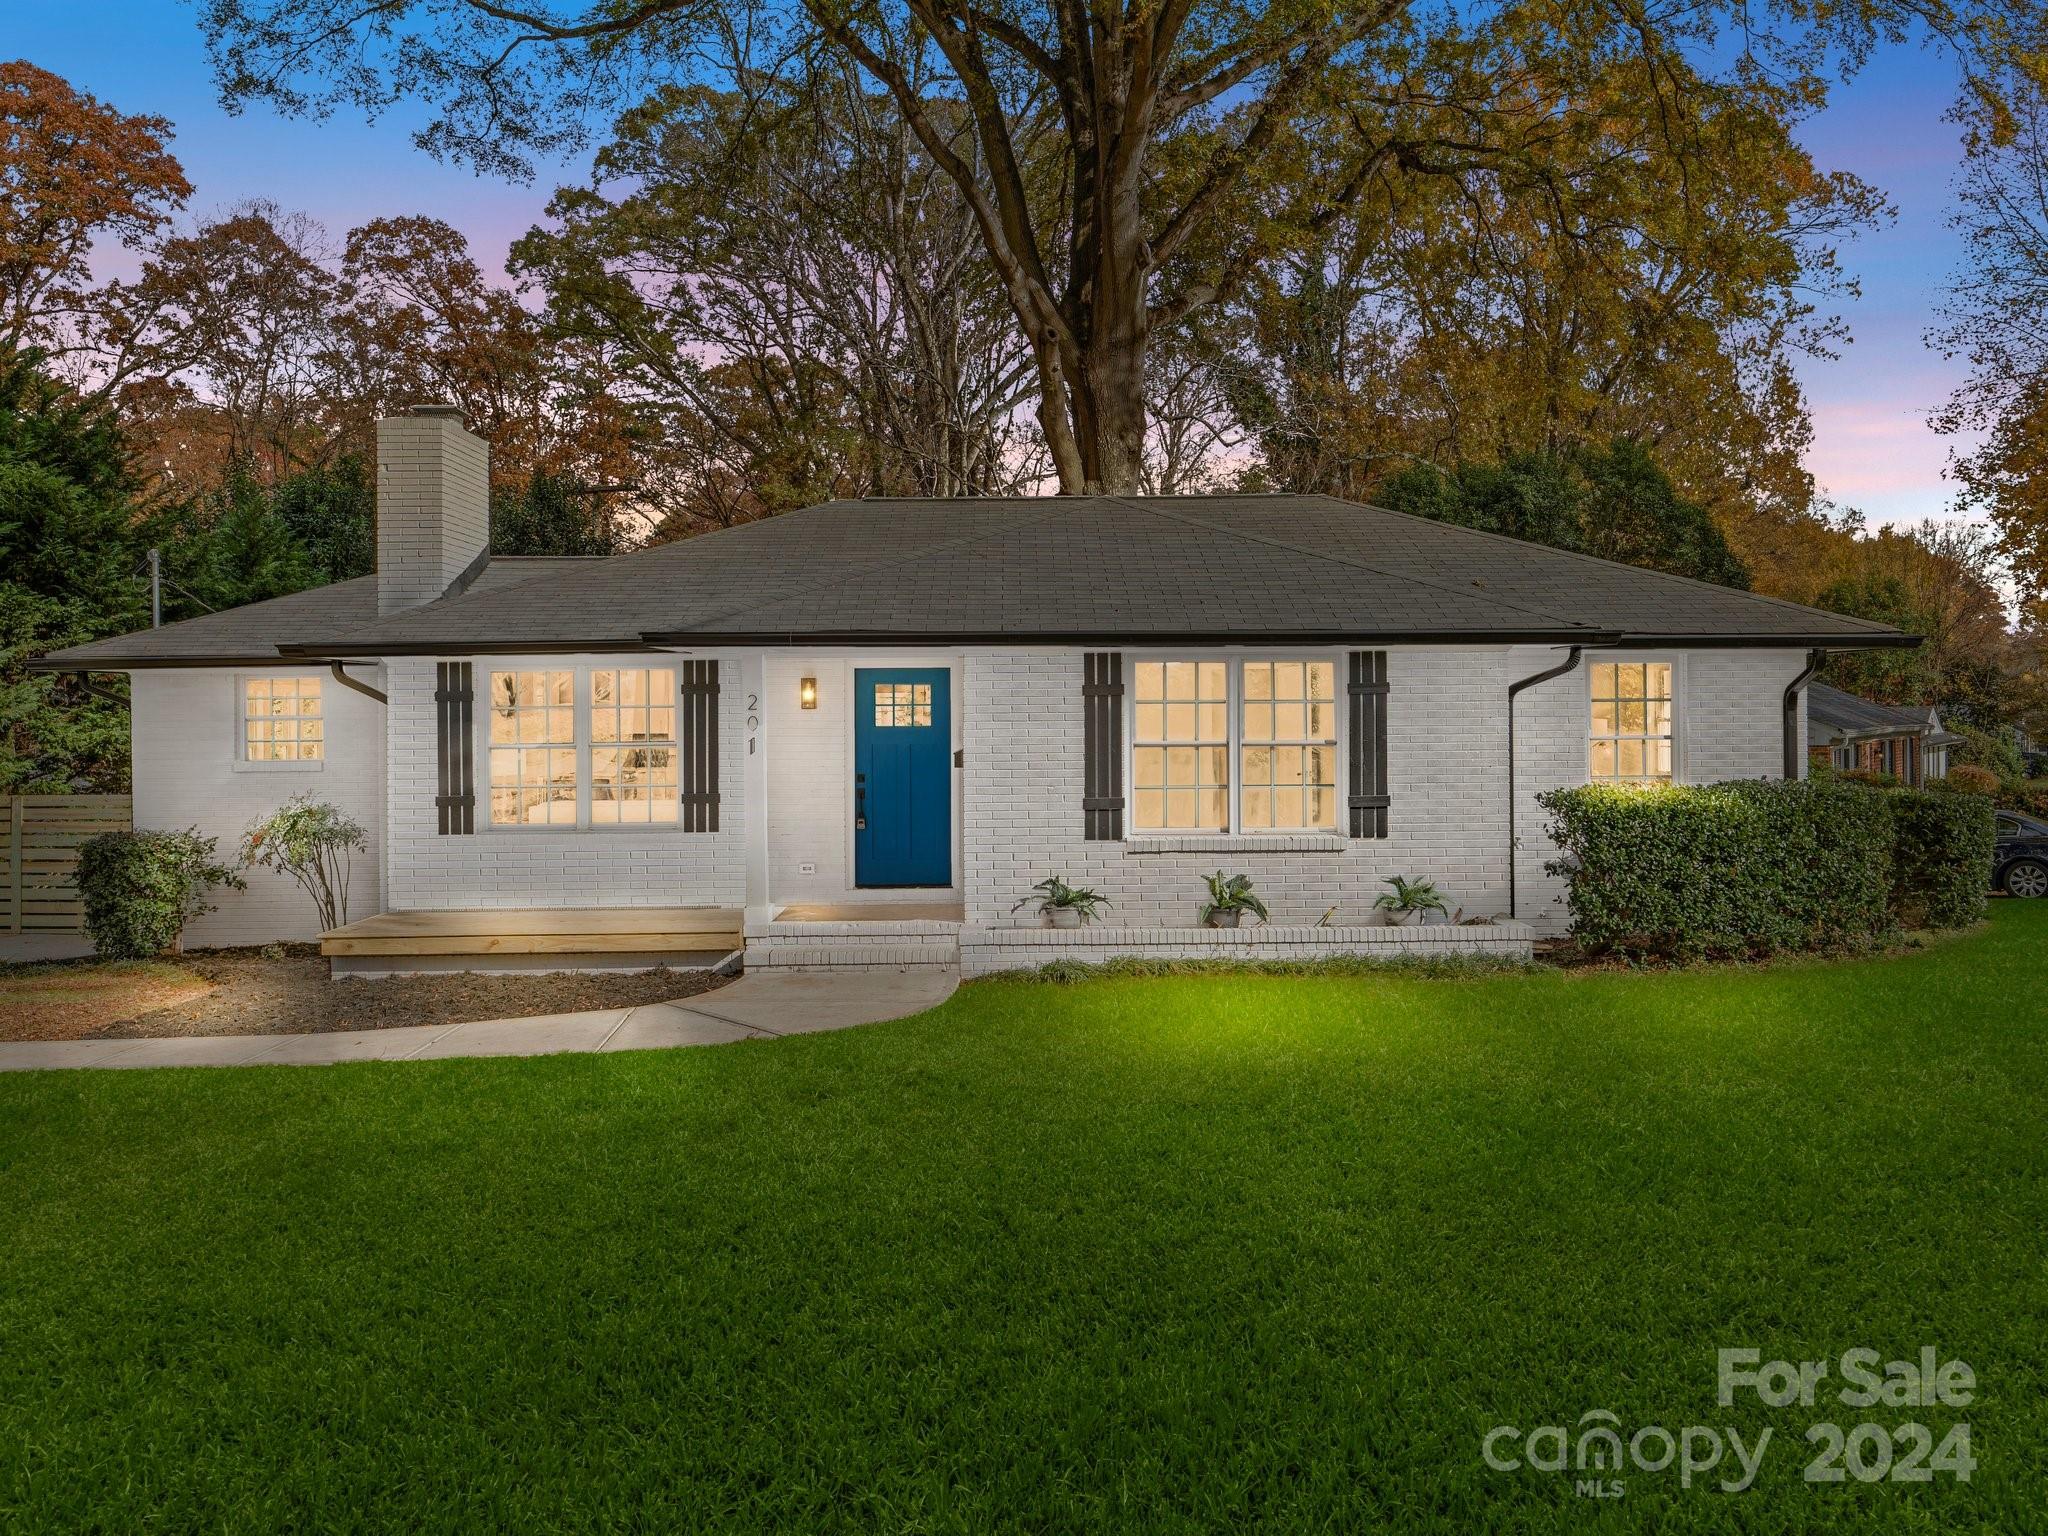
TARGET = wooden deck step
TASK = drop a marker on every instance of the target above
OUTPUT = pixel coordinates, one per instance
(540, 931)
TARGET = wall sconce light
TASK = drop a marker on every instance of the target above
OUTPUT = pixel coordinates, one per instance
(807, 693)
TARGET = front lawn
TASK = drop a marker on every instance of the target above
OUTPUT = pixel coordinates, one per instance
(1190, 1254)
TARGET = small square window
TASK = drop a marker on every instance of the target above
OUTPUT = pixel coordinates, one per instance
(281, 720)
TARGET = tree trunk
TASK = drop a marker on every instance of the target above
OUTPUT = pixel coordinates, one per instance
(1107, 313)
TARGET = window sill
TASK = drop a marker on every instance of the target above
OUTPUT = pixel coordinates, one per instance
(243, 765)
(1237, 842)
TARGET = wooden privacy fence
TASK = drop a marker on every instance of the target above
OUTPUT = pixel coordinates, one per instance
(39, 842)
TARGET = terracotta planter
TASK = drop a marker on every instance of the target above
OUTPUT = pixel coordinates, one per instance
(1225, 919)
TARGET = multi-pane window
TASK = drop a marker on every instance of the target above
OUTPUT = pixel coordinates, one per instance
(1632, 731)
(903, 704)
(281, 720)
(1288, 755)
(633, 745)
(1181, 747)
(533, 748)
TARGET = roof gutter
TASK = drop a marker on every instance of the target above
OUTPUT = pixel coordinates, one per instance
(1814, 658)
(794, 639)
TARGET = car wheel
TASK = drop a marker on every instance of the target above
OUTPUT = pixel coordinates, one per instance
(2027, 877)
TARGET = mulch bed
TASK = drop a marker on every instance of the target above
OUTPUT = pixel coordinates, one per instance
(285, 990)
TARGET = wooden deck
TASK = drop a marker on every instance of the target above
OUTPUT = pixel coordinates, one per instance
(540, 931)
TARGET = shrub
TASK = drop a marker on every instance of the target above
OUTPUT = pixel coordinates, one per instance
(1757, 868)
(1942, 858)
(312, 842)
(1723, 870)
(2027, 796)
(140, 888)
(1998, 751)
(1972, 780)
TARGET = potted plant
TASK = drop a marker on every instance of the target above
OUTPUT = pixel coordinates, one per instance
(1412, 898)
(1229, 900)
(1063, 905)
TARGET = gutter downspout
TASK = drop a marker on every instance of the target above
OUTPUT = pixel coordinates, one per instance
(1568, 664)
(85, 681)
(346, 681)
(1814, 658)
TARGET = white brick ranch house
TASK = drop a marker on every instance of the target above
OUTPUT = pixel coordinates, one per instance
(862, 731)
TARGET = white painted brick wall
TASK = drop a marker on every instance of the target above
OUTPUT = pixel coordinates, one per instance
(1730, 726)
(188, 773)
(608, 867)
(1446, 745)
(1447, 742)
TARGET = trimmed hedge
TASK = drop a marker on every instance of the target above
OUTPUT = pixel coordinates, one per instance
(139, 888)
(1943, 849)
(1757, 867)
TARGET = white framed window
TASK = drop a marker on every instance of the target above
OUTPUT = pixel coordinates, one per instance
(1180, 745)
(1233, 745)
(633, 761)
(281, 724)
(571, 745)
(533, 760)
(1634, 737)
(1288, 757)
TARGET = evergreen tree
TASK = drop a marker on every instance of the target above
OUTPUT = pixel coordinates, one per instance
(549, 518)
(331, 513)
(68, 573)
(1613, 502)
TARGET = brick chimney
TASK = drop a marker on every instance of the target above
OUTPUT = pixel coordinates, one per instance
(433, 505)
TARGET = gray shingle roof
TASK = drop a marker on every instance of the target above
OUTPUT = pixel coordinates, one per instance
(1833, 715)
(253, 633)
(1267, 568)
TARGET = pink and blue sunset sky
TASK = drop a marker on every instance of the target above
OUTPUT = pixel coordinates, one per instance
(1872, 447)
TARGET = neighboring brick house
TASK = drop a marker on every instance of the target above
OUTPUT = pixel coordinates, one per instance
(1852, 733)
(909, 711)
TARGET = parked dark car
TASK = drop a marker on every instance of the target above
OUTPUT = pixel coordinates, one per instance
(2020, 866)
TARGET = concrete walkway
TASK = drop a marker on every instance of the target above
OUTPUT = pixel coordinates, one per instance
(756, 1007)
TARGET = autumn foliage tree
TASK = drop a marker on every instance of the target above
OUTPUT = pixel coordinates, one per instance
(1194, 142)
(73, 171)
(1996, 319)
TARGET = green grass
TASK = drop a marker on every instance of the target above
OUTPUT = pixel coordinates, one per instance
(1169, 1254)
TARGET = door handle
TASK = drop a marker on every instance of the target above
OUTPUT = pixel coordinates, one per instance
(860, 802)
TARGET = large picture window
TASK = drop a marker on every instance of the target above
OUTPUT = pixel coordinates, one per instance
(1276, 720)
(281, 720)
(1633, 736)
(584, 747)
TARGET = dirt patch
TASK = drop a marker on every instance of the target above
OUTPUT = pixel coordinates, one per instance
(68, 1002)
(285, 990)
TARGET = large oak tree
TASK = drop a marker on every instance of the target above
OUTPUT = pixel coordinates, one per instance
(1279, 115)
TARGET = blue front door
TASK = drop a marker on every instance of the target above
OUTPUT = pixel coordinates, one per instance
(902, 776)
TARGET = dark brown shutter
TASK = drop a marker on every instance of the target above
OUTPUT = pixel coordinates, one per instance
(1102, 713)
(455, 747)
(1366, 744)
(699, 746)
